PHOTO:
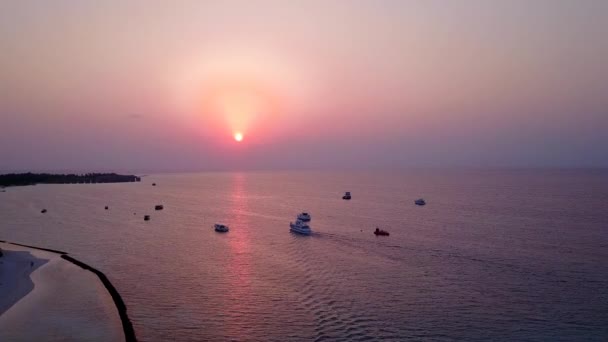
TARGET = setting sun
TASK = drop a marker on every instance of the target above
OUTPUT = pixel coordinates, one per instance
(238, 136)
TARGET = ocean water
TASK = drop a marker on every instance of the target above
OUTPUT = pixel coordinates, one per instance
(494, 255)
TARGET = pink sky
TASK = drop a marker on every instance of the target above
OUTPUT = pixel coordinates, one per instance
(160, 86)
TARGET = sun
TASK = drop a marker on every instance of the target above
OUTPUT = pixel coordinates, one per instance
(238, 136)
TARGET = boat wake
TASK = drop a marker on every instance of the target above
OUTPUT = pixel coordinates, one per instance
(322, 295)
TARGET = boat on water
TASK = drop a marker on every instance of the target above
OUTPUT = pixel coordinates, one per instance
(380, 232)
(420, 201)
(146, 217)
(304, 217)
(346, 196)
(158, 207)
(300, 227)
(221, 228)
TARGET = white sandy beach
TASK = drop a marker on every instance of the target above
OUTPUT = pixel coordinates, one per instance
(46, 298)
(16, 265)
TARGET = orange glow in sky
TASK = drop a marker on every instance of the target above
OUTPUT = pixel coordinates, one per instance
(240, 90)
(240, 107)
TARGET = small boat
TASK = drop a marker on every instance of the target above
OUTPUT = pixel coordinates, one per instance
(153, 184)
(146, 217)
(420, 201)
(346, 196)
(304, 217)
(107, 207)
(43, 211)
(158, 207)
(221, 228)
(300, 227)
(379, 231)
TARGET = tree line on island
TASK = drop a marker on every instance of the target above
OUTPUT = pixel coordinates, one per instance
(20, 179)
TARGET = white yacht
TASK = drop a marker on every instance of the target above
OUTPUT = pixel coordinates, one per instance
(304, 217)
(300, 227)
(221, 228)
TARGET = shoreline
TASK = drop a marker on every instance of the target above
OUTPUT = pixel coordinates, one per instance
(127, 326)
(16, 256)
(16, 268)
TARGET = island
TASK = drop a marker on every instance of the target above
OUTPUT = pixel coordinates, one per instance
(22, 179)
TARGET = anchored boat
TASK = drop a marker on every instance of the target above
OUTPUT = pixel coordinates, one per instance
(420, 201)
(380, 232)
(220, 228)
(304, 217)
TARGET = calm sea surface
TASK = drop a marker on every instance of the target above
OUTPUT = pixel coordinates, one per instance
(494, 255)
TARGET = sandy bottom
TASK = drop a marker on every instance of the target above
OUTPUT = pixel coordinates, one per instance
(52, 300)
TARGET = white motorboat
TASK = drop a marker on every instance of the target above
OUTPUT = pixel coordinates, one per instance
(221, 228)
(300, 227)
(304, 217)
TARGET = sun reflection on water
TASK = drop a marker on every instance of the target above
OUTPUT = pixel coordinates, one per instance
(240, 267)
